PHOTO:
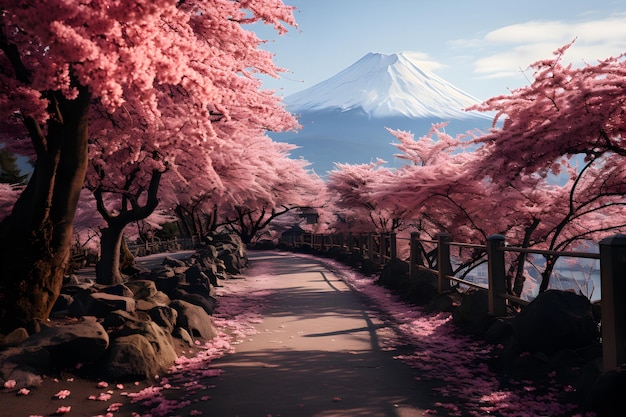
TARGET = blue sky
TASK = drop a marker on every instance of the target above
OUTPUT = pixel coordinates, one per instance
(480, 46)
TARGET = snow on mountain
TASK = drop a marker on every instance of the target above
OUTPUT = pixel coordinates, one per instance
(344, 118)
(385, 86)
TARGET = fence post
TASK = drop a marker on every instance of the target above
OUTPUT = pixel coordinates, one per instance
(370, 246)
(613, 298)
(496, 275)
(382, 248)
(415, 255)
(361, 238)
(443, 262)
(392, 246)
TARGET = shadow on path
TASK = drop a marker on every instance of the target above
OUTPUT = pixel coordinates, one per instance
(320, 352)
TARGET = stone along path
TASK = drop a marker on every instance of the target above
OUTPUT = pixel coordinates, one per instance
(319, 352)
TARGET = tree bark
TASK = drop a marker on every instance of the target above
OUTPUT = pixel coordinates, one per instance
(108, 267)
(35, 238)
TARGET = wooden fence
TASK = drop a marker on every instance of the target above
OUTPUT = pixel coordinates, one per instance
(161, 246)
(380, 248)
(81, 257)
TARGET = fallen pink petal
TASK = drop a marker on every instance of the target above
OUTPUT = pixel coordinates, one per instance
(63, 394)
(10, 384)
(63, 410)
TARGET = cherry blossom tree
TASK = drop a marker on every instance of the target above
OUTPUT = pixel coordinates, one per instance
(54, 67)
(565, 115)
(565, 111)
(353, 186)
(263, 183)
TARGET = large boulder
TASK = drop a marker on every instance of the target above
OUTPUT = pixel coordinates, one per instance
(207, 302)
(23, 365)
(194, 320)
(164, 316)
(158, 299)
(606, 396)
(123, 360)
(69, 344)
(131, 357)
(393, 274)
(99, 304)
(232, 263)
(119, 289)
(555, 320)
(14, 338)
(142, 289)
(472, 312)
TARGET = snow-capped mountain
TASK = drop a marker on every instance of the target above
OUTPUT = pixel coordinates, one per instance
(344, 118)
(383, 86)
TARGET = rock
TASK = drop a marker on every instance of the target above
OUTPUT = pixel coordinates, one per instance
(500, 331)
(529, 366)
(420, 289)
(168, 285)
(447, 301)
(202, 289)
(166, 273)
(233, 241)
(118, 289)
(164, 316)
(69, 344)
(129, 358)
(118, 318)
(164, 352)
(393, 272)
(159, 299)
(207, 302)
(206, 255)
(607, 397)
(142, 289)
(183, 335)
(23, 365)
(99, 304)
(231, 262)
(194, 320)
(62, 303)
(194, 275)
(173, 262)
(14, 338)
(556, 320)
(472, 313)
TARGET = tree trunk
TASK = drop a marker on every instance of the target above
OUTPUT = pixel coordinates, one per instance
(35, 238)
(518, 285)
(547, 272)
(108, 267)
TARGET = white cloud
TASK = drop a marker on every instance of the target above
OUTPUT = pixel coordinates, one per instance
(423, 60)
(508, 50)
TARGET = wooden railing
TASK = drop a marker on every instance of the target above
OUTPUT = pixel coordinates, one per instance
(161, 246)
(380, 248)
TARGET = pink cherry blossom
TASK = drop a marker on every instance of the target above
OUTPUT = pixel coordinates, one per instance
(63, 394)
(63, 410)
(10, 384)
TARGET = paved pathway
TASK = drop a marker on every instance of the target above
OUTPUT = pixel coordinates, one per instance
(319, 353)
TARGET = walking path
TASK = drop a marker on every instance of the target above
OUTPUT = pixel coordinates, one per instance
(320, 352)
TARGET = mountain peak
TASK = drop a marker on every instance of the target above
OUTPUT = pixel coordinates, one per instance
(385, 86)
